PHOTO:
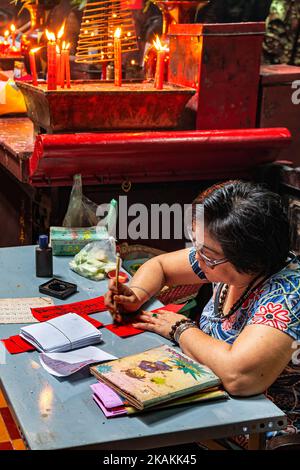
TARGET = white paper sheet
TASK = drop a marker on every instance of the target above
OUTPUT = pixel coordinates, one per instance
(18, 310)
(67, 363)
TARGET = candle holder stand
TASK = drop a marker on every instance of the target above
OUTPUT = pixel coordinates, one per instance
(101, 106)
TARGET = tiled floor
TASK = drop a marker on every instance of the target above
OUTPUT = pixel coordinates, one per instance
(10, 438)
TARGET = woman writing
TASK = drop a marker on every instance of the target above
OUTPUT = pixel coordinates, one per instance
(248, 330)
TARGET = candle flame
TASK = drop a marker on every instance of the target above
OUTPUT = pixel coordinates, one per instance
(118, 33)
(158, 45)
(65, 46)
(12, 28)
(33, 51)
(6, 33)
(61, 31)
(50, 36)
(57, 49)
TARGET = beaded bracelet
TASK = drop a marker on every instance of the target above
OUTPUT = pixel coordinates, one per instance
(180, 329)
(176, 325)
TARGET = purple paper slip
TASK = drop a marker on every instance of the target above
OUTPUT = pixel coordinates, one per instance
(108, 397)
(113, 412)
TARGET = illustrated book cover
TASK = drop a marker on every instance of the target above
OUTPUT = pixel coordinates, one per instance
(155, 376)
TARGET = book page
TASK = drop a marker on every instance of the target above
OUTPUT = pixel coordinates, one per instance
(19, 310)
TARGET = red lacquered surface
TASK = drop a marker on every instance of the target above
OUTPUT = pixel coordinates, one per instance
(222, 61)
(152, 156)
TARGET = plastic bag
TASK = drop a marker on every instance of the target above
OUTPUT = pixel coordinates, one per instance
(96, 259)
(81, 210)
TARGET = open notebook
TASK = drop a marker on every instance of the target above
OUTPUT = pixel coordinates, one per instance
(63, 333)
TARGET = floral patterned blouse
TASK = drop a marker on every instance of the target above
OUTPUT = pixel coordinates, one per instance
(276, 303)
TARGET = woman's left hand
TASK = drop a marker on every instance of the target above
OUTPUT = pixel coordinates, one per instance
(160, 322)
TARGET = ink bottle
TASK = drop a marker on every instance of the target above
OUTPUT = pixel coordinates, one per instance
(43, 258)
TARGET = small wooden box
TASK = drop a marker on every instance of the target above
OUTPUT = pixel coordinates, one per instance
(222, 62)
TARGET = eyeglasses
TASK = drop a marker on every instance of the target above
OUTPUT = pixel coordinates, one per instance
(195, 230)
(211, 263)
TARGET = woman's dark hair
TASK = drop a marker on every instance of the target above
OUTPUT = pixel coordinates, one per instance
(250, 224)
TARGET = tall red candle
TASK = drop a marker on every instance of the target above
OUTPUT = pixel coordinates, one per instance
(160, 69)
(65, 66)
(58, 54)
(160, 63)
(58, 66)
(32, 53)
(13, 35)
(6, 43)
(118, 57)
(51, 59)
(62, 69)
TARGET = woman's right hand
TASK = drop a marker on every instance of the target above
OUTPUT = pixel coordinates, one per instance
(121, 300)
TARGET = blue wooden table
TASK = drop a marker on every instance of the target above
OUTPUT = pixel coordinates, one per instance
(55, 413)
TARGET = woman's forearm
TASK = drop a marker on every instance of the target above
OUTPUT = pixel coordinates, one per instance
(219, 357)
(205, 349)
(148, 280)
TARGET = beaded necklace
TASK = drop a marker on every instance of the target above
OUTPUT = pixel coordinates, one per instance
(220, 299)
(224, 291)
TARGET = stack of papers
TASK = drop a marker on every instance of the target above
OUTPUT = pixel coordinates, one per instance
(62, 333)
(108, 400)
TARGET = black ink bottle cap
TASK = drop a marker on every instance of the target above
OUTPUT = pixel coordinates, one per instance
(43, 241)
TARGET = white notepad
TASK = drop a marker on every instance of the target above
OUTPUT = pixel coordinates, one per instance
(63, 333)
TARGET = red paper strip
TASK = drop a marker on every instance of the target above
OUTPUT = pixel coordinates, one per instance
(84, 307)
(93, 321)
(169, 308)
(11, 347)
(22, 343)
(124, 331)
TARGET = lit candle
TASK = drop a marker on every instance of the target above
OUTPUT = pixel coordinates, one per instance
(58, 65)
(160, 63)
(65, 66)
(51, 59)
(32, 53)
(60, 33)
(58, 53)
(118, 57)
(13, 34)
(6, 43)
